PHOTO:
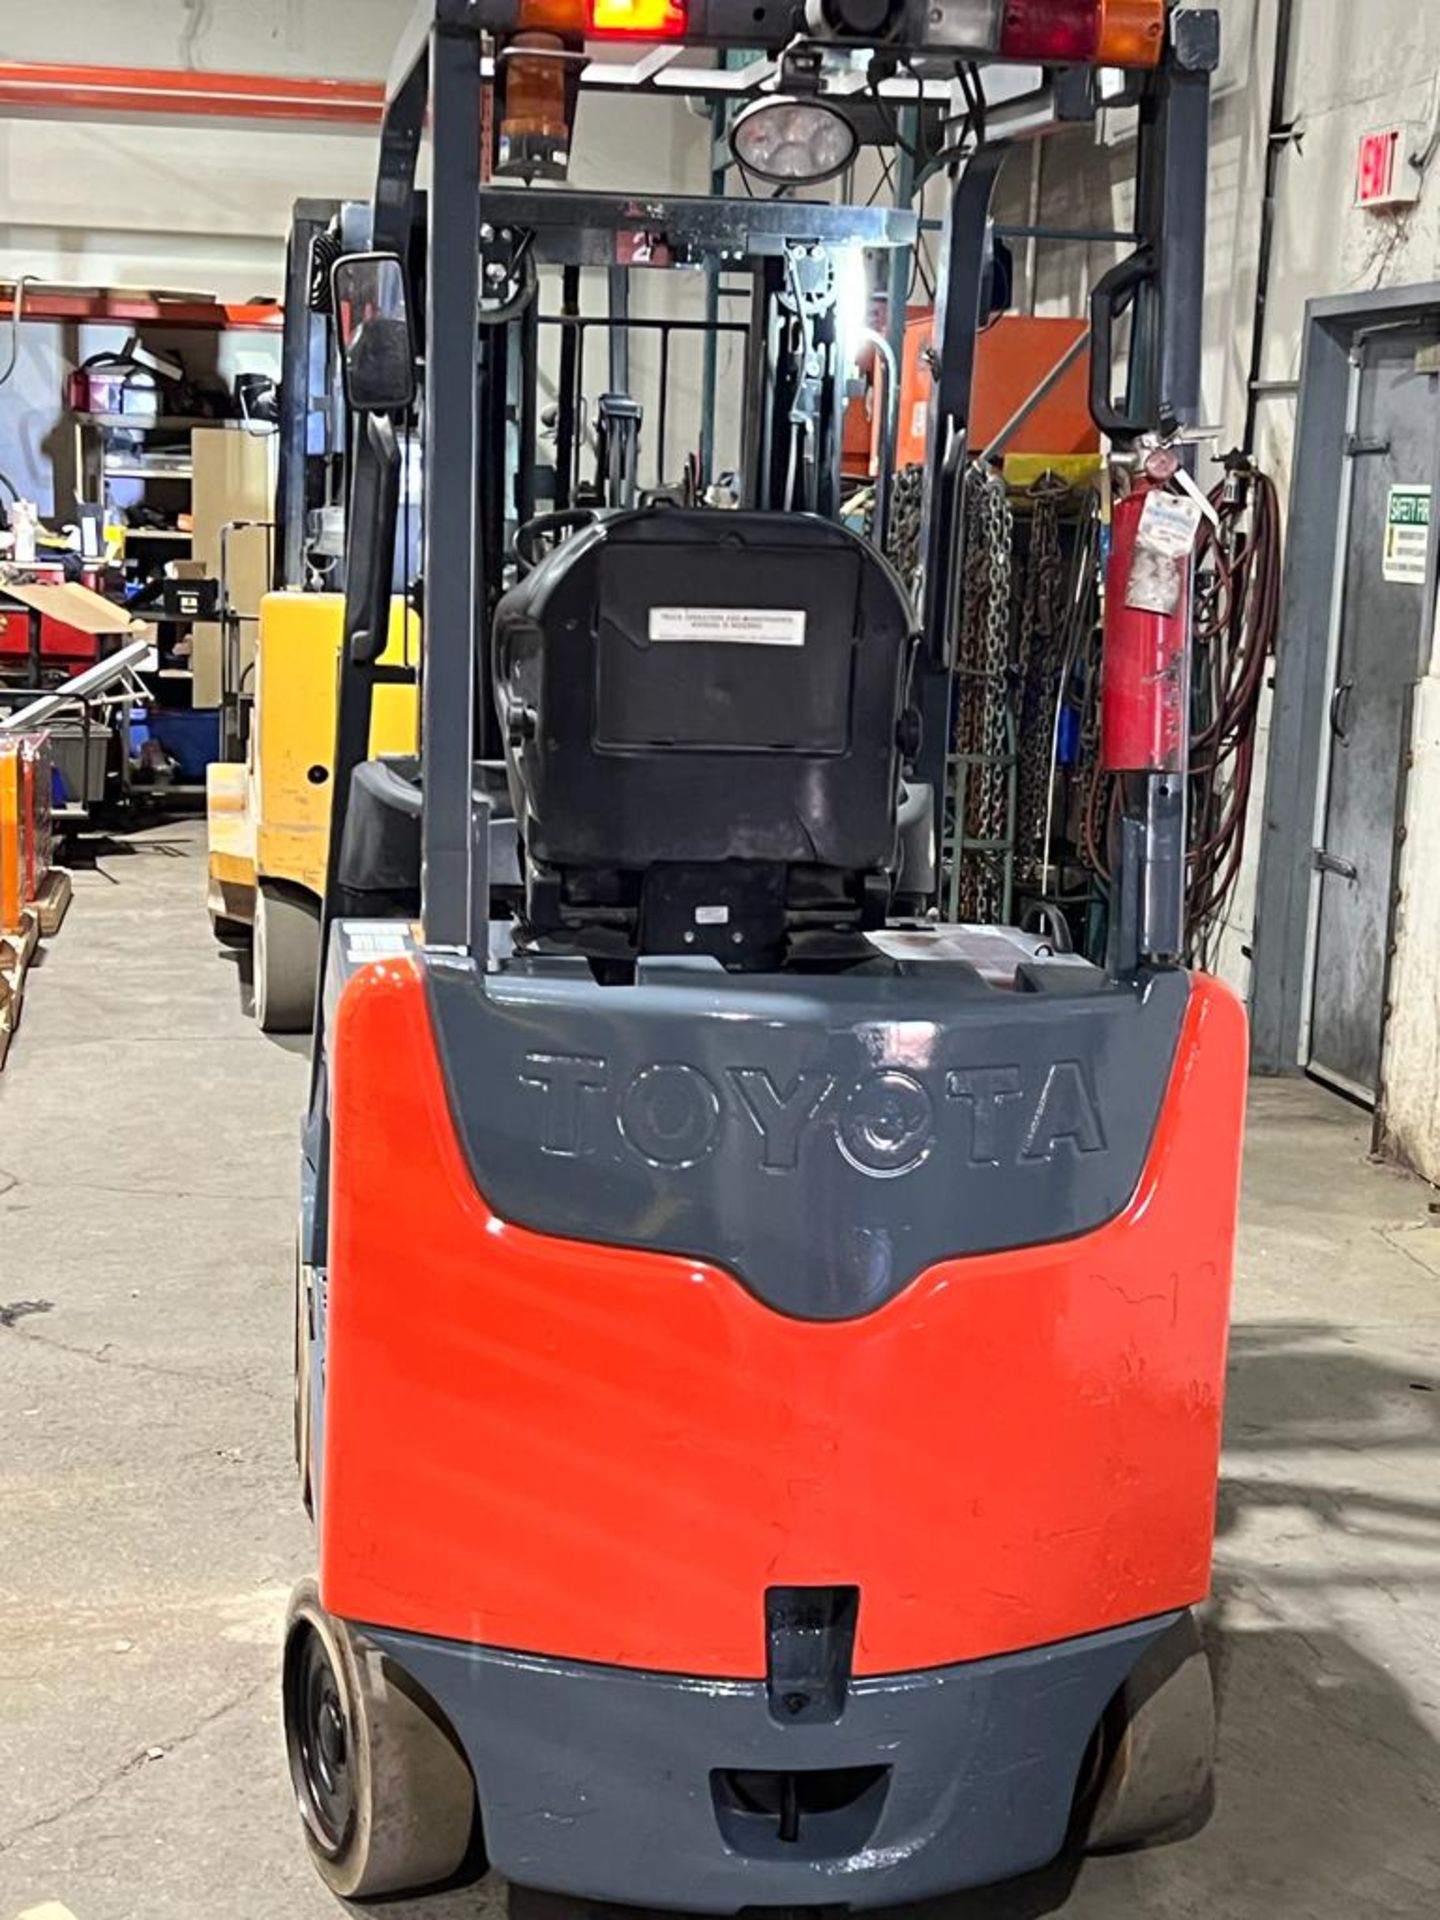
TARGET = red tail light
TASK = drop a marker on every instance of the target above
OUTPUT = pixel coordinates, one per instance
(1051, 30)
(635, 19)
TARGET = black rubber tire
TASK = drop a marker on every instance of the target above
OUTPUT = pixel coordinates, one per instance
(287, 959)
(408, 1801)
(1157, 1760)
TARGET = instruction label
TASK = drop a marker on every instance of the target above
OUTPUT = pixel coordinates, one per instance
(1169, 523)
(375, 942)
(1407, 535)
(730, 626)
(1165, 538)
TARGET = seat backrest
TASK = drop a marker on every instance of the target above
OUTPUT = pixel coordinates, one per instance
(693, 686)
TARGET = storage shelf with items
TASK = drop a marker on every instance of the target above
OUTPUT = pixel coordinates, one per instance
(141, 470)
(171, 486)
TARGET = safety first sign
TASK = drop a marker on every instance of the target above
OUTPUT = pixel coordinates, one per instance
(1407, 535)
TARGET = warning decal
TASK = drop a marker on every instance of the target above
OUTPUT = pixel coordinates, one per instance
(735, 626)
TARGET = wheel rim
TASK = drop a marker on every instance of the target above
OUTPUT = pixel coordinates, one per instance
(318, 1735)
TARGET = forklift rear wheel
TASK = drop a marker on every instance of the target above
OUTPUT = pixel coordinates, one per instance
(1157, 1761)
(385, 1795)
(287, 954)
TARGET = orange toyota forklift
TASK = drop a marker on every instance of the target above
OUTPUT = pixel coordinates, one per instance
(760, 1357)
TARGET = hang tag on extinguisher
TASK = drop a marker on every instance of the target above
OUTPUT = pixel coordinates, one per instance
(1164, 541)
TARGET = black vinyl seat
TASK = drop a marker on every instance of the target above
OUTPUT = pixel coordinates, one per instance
(380, 848)
(704, 715)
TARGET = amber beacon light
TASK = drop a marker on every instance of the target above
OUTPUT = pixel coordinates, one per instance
(540, 64)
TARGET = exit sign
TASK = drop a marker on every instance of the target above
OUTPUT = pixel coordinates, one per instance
(1387, 175)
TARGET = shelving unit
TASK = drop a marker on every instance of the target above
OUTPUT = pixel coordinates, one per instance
(109, 448)
(95, 464)
(163, 423)
(217, 472)
(113, 307)
(156, 470)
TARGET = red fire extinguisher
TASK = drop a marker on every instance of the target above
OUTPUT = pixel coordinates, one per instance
(1145, 663)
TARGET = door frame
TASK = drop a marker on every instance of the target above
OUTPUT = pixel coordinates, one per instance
(1297, 773)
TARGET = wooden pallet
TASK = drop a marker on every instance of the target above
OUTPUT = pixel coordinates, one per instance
(15, 953)
(42, 917)
(52, 902)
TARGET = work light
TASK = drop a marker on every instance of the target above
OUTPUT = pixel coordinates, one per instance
(793, 142)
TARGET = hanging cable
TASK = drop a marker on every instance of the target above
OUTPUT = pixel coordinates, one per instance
(1237, 623)
(1237, 572)
(17, 314)
(921, 269)
(972, 129)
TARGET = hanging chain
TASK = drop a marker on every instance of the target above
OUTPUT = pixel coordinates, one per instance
(1039, 644)
(981, 743)
(907, 500)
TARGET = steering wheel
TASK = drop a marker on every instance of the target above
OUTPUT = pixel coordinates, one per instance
(547, 527)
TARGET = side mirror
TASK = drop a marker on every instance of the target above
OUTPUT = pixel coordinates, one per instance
(377, 348)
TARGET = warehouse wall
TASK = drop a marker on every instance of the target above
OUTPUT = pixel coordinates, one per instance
(200, 204)
(205, 205)
(1353, 68)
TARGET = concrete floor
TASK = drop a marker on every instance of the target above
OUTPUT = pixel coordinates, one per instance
(149, 1529)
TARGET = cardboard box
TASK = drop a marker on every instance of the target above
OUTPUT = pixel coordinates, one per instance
(66, 604)
(234, 481)
(190, 591)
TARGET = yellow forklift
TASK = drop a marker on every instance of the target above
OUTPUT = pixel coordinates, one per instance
(268, 814)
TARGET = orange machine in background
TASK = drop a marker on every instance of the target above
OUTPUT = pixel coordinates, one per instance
(25, 825)
(1012, 358)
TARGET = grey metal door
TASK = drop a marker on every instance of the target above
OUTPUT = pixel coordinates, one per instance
(1376, 644)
